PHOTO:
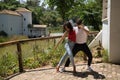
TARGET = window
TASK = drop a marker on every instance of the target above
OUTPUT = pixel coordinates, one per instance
(11, 29)
(31, 31)
(24, 19)
(2, 25)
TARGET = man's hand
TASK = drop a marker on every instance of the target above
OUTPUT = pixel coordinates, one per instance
(81, 26)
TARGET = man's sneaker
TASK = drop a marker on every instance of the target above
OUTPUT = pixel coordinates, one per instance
(63, 69)
(90, 69)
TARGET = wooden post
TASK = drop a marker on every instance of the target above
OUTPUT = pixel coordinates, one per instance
(54, 42)
(19, 53)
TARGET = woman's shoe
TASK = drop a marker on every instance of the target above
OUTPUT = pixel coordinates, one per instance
(57, 69)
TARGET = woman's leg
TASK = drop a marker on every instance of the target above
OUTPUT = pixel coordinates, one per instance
(61, 61)
(74, 51)
(68, 48)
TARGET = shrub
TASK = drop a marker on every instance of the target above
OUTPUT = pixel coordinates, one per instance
(2, 33)
(3, 39)
(105, 57)
(7, 65)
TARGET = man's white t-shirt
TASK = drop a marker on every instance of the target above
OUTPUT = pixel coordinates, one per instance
(81, 35)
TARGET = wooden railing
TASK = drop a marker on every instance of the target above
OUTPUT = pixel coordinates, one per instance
(18, 44)
(19, 50)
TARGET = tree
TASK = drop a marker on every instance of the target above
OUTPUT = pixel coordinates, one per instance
(62, 6)
(51, 18)
(9, 4)
(33, 2)
(90, 12)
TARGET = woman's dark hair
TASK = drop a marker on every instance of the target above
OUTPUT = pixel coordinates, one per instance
(79, 22)
(68, 24)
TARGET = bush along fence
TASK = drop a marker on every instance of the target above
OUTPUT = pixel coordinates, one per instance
(31, 53)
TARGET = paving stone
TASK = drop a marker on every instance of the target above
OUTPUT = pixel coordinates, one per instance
(102, 71)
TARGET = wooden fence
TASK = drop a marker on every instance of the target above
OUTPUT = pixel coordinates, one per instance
(19, 50)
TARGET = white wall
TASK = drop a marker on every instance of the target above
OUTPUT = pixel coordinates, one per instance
(27, 19)
(105, 34)
(11, 24)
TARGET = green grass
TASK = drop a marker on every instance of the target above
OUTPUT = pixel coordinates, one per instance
(11, 38)
(55, 29)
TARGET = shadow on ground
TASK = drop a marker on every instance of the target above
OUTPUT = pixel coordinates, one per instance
(85, 74)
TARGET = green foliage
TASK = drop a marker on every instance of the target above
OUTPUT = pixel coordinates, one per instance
(51, 18)
(9, 4)
(105, 56)
(89, 11)
(30, 63)
(1, 78)
(3, 39)
(56, 55)
(43, 58)
(33, 3)
(2, 33)
(15, 37)
(30, 25)
(55, 29)
(8, 65)
(62, 6)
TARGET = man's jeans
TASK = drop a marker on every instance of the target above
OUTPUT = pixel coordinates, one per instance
(68, 46)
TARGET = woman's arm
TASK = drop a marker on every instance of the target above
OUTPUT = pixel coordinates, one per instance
(62, 38)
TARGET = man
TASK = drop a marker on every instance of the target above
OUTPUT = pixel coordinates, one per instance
(80, 45)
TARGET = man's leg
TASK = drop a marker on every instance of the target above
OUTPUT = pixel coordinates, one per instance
(87, 51)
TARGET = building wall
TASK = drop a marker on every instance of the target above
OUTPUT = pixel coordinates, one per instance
(111, 31)
(11, 24)
(105, 34)
(27, 19)
(106, 25)
(105, 8)
(114, 22)
(37, 32)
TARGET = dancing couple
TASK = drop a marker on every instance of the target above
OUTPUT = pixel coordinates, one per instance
(77, 38)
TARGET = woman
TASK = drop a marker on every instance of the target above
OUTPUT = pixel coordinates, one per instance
(68, 46)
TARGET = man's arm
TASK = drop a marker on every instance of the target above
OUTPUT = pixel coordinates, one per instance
(87, 31)
(94, 32)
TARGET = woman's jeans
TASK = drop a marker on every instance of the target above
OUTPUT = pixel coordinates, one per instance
(68, 46)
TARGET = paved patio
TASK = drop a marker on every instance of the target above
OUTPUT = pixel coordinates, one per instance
(102, 71)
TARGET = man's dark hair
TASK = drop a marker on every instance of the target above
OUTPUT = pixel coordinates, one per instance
(79, 22)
